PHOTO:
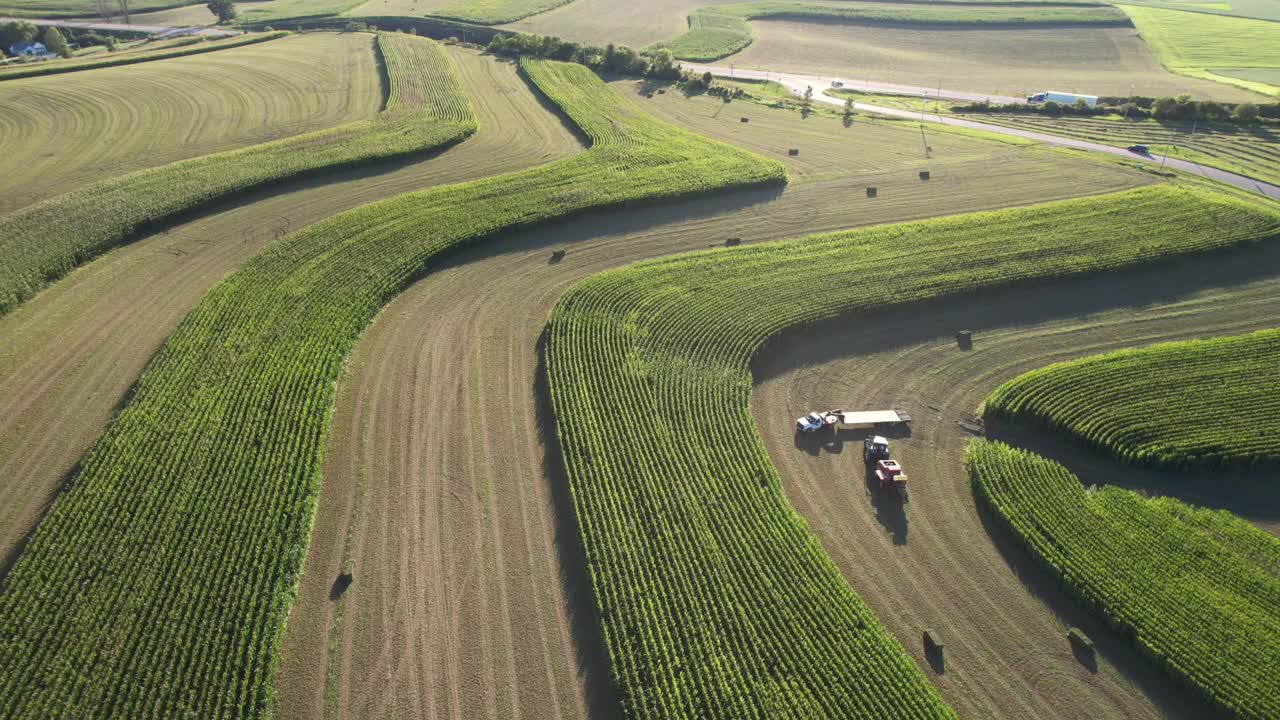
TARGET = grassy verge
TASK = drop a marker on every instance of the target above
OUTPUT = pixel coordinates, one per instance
(716, 597)
(42, 242)
(720, 31)
(1200, 403)
(55, 67)
(1197, 590)
(184, 533)
(1195, 44)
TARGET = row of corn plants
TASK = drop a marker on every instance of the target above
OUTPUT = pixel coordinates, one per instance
(1198, 403)
(42, 242)
(715, 596)
(198, 47)
(1197, 590)
(159, 583)
(722, 30)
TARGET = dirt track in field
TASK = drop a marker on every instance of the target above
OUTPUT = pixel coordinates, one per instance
(71, 354)
(938, 564)
(469, 598)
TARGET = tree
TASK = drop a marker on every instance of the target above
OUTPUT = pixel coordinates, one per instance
(17, 32)
(664, 65)
(224, 9)
(124, 10)
(55, 43)
(1245, 113)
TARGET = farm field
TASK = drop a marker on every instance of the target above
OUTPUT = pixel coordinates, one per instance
(97, 57)
(481, 12)
(1197, 590)
(176, 109)
(1202, 403)
(1098, 61)
(600, 22)
(58, 396)
(413, 437)
(1210, 46)
(293, 312)
(73, 8)
(938, 564)
(670, 340)
(1252, 151)
(717, 32)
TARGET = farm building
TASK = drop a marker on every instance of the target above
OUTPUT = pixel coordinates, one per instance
(28, 49)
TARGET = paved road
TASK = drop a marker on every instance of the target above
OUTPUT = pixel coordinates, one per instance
(797, 84)
(866, 86)
(161, 30)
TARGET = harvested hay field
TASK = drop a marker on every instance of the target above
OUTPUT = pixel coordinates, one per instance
(63, 131)
(480, 12)
(599, 22)
(1094, 61)
(468, 599)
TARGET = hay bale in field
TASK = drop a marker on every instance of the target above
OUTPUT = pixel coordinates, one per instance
(556, 257)
(871, 191)
(745, 120)
(932, 641)
(1080, 641)
(733, 242)
(793, 152)
(924, 174)
(964, 339)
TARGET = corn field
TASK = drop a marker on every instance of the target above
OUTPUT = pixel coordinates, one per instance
(1197, 590)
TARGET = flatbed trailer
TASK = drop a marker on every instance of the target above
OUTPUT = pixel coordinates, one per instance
(865, 418)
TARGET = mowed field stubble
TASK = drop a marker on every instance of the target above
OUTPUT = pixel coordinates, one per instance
(63, 131)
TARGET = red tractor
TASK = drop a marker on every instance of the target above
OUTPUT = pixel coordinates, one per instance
(891, 477)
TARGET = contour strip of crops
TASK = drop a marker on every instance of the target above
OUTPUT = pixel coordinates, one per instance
(717, 601)
(42, 242)
(159, 583)
(1197, 590)
(1199, 403)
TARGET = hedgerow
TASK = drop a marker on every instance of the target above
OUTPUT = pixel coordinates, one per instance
(1199, 403)
(40, 243)
(158, 584)
(196, 48)
(714, 593)
(1197, 590)
(722, 30)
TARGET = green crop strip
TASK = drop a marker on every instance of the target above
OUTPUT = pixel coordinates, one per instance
(42, 242)
(158, 585)
(717, 601)
(496, 12)
(1199, 403)
(57, 67)
(722, 30)
(1197, 590)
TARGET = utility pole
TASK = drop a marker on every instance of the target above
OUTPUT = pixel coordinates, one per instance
(730, 71)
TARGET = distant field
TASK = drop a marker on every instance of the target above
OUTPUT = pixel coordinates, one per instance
(1259, 9)
(251, 12)
(598, 22)
(1095, 61)
(1200, 403)
(76, 8)
(134, 53)
(1195, 44)
(720, 31)
(481, 12)
(63, 131)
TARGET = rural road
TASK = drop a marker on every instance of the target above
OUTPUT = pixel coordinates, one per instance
(797, 84)
(162, 30)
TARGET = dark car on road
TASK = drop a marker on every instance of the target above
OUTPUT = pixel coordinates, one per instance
(1139, 149)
